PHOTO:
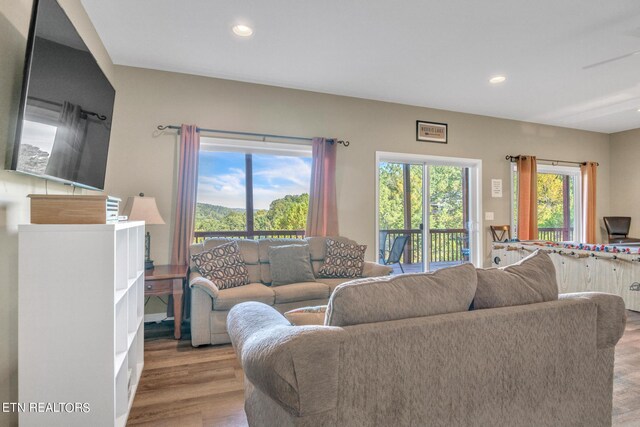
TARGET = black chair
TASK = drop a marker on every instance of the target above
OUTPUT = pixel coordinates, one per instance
(618, 229)
(396, 251)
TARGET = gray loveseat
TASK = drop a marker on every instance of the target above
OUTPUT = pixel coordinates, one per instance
(536, 364)
(210, 306)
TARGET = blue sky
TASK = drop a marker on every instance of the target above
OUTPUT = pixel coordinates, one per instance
(222, 178)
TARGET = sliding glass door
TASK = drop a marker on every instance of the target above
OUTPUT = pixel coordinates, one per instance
(428, 212)
(401, 215)
(448, 232)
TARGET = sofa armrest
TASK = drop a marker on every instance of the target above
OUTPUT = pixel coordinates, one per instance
(371, 269)
(296, 366)
(611, 315)
(197, 281)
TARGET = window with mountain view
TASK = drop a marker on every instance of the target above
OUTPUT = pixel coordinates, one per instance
(558, 203)
(252, 189)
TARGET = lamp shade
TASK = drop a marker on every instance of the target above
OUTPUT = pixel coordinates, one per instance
(140, 208)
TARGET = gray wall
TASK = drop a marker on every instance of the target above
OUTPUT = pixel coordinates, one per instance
(145, 161)
(625, 176)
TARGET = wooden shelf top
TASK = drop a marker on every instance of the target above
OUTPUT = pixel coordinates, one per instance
(68, 196)
(164, 272)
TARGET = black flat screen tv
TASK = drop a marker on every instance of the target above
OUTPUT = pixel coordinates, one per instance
(66, 108)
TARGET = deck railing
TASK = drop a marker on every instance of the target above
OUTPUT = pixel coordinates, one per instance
(555, 234)
(200, 236)
(446, 245)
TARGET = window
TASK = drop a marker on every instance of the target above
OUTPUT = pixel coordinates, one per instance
(252, 189)
(559, 192)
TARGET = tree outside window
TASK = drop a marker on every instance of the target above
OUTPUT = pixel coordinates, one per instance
(558, 195)
(251, 192)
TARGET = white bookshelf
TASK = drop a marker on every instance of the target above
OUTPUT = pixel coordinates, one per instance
(80, 330)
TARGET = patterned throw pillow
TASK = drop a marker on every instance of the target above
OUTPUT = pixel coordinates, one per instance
(343, 260)
(223, 265)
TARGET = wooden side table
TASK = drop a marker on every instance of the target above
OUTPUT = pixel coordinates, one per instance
(168, 280)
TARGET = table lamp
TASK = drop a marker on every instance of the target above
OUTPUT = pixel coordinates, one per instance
(141, 208)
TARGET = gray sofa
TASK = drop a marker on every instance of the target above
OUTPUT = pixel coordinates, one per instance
(537, 364)
(210, 306)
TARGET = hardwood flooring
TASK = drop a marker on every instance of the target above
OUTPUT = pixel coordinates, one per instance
(626, 375)
(188, 387)
(185, 386)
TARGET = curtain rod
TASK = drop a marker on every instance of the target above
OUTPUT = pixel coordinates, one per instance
(512, 159)
(259, 135)
(58, 104)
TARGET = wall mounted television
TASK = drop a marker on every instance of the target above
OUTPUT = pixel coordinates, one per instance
(66, 107)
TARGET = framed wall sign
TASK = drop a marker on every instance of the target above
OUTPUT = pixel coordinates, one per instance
(431, 132)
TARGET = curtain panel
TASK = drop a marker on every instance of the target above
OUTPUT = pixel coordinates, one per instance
(69, 143)
(186, 194)
(527, 198)
(183, 231)
(322, 219)
(588, 172)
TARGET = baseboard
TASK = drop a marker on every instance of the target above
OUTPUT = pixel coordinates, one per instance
(156, 317)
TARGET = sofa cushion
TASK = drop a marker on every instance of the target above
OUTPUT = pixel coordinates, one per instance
(290, 264)
(265, 244)
(531, 280)
(306, 315)
(227, 298)
(223, 265)
(317, 247)
(333, 283)
(300, 292)
(381, 299)
(343, 259)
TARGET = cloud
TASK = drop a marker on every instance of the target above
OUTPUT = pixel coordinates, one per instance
(274, 177)
(292, 170)
(225, 189)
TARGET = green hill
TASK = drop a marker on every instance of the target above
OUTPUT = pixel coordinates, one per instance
(287, 213)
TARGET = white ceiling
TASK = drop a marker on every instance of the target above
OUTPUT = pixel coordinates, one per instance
(428, 53)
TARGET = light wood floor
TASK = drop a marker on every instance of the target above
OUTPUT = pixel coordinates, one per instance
(185, 386)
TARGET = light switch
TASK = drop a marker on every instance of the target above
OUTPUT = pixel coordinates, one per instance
(488, 216)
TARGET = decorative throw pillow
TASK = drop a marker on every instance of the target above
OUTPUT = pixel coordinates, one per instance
(307, 315)
(531, 280)
(343, 259)
(290, 264)
(223, 265)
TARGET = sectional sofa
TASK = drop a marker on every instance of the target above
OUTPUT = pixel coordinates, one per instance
(408, 351)
(210, 306)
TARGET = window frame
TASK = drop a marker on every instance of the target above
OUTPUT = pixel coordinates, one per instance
(249, 148)
(572, 171)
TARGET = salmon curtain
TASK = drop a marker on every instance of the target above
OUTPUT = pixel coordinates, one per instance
(185, 204)
(527, 198)
(588, 172)
(322, 219)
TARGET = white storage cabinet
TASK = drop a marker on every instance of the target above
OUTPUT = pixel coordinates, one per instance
(80, 331)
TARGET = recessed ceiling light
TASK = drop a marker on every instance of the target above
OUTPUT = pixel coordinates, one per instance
(497, 79)
(242, 30)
